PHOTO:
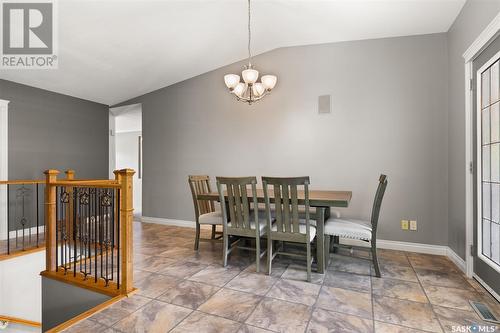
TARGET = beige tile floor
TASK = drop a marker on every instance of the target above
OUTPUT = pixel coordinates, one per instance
(185, 291)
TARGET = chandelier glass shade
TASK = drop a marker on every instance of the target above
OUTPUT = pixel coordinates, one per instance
(250, 90)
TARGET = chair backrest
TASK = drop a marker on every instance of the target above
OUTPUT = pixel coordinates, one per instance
(379, 195)
(235, 192)
(200, 184)
(286, 200)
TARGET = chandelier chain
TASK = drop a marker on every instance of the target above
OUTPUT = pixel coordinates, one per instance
(249, 35)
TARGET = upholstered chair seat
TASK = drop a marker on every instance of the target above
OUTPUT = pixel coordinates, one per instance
(214, 218)
(349, 228)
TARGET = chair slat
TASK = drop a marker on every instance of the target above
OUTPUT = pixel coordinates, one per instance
(295, 208)
(278, 206)
(237, 206)
(245, 206)
(286, 208)
(230, 199)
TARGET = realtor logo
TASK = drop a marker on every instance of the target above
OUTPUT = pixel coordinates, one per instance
(28, 35)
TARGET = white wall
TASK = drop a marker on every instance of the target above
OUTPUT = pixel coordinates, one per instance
(4, 164)
(21, 286)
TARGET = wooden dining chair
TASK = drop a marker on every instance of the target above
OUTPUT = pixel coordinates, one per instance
(204, 210)
(288, 226)
(358, 229)
(243, 219)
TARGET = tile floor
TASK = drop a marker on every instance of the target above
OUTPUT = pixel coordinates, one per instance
(184, 291)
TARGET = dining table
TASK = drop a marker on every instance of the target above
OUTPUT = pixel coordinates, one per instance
(320, 202)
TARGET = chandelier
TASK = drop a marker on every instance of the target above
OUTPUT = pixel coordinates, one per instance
(249, 91)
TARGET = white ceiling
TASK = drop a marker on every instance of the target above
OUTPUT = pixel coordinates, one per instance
(110, 50)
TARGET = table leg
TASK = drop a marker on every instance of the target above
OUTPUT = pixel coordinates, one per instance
(320, 237)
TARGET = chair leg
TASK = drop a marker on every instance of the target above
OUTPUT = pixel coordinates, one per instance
(308, 262)
(327, 250)
(269, 254)
(257, 254)
(213, 231)
(225, 249)
(336, 240)
(197, 237)
(375, 259)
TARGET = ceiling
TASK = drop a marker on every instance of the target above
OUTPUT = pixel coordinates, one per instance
(110, 50)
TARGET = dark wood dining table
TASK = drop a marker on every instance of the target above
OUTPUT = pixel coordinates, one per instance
(321, 200)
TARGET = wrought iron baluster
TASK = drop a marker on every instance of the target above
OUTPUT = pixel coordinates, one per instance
(95, 232)
(37, 218)
(8, 219)
(75, 229)
(57, 227)
(118, 206)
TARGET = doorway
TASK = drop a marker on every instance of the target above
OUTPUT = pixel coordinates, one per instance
(125, 146)
(486, 110)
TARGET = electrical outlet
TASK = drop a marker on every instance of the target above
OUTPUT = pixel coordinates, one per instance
(413, 225)
(404, 224)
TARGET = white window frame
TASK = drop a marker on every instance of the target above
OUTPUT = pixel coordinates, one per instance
(4, 163)
(479, 173)
(481, 42)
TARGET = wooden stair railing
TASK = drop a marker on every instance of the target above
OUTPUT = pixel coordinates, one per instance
(14, 320)
(89, 231)
(21, 216)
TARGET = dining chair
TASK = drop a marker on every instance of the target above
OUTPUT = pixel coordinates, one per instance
(243, 219)
(358, 229)
(288, 226)
(204, 210)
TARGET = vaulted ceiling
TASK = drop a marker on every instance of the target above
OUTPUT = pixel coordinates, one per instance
(110, 50)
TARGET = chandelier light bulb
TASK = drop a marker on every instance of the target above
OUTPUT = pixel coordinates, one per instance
(269, 81)
(231, 80)
(250, 75)
(240, 89)
(258, 89)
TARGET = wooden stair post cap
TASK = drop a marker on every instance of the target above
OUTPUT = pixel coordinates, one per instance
(125, 171)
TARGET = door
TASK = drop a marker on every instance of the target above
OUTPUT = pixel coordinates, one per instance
(487, 117)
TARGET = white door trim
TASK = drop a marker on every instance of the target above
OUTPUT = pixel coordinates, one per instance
(481, 42)
(4, 164)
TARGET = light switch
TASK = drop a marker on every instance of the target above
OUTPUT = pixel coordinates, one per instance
(413, 225)
(404, 224)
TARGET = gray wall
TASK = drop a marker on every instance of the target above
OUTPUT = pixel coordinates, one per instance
(474, 17)
(62, 301)
(53, 131)
(389, 115)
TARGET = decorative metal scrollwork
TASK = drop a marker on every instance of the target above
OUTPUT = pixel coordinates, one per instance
(106, 199)
(84, 198)
(64, 197)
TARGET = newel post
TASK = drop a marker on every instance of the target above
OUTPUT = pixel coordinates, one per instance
(70, 174)
(50, 220)
(125, 178)
(69, 218)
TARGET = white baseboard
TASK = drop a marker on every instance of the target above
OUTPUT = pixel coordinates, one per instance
(491, 291)
(172, 222)
(381, 243)
(412, 247)
(457, 260)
